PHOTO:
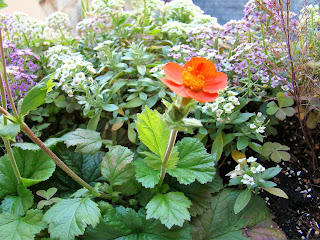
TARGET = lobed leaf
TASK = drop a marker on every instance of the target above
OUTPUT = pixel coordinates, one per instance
(147, 176)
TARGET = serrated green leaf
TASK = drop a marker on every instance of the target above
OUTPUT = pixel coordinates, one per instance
(125, 224)
(117, 166)
(22, 228)
(34, 167)
(242, 200)
(219, 220)
(85, 166)
(87, 141)
(171, 208)
(69, 217)
(147, 176)
(153, 131)
(18, 205)
(31, 146)
(155, 162)
(194, 162)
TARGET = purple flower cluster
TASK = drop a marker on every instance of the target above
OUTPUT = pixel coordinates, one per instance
(21, 69)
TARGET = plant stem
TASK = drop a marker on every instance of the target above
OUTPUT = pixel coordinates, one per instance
(172, 140)
(12, 160)
(6, 82)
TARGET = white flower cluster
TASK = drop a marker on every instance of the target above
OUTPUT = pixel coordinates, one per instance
(174, 28)
(182, 10)
(72, 72)
(310, 15)
(223, 105)
(19, 26)
(58, 20)
(249, 174)
(151, 5)
(100, 7)
(258, 123)
(204, 19)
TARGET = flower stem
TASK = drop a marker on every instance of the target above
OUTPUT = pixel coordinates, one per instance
(172, 140)
(12, 160)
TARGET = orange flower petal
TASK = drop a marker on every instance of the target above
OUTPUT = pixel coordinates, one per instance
(202, 96)
(216, 82)
(178, 89)
(204, 66)
(173, 72)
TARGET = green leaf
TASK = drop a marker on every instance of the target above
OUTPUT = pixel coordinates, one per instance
(87, 141)
(270, 172)
(147, 176)
(255, 147)
(93, 123)
(153, 131)
(24, 228)
(277, 192)
(3, 4)
(31, 146)
(18, 205)
(242, 143)
(155, 162)
(10, 131)
(141, 69)
(34, 167)
(219, 220)
(125, 224)
(275, 151)
(117, 166)
(85, 166)
(109, 107)
(171, 208)
(242, 200)
(35, 97)
(284, 101)
(217, 147)
(136, 102)
(242, 117)
(70, 217)
(194, 162)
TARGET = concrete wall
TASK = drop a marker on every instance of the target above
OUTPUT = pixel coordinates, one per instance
(226, 10)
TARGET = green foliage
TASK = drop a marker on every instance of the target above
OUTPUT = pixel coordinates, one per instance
(220, 222)
(18, 205)
(48, 196)
(275, 151)
(50, 142)
(171, 208)
(9, 131)
(3, 4)
(125, 223)
(34, 166)
(283, 109)
(194, 162)
(18, 227)
(242, 200)
(147, 176)
(70, 217)
(87, 141)
(154, 133)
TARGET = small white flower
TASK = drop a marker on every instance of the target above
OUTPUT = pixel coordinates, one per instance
(219, 112)
(259, 114)
(53, 57)
(233, 175)
(65, 74)
(260, 129)
(228, 107)
(238, 167)
(241, 160)
(53, 64)
(253, 126)
(80, 76)
(91, 69)
(70, 93)
(220, 99)
(253, 170)
(247, 180)
(260, 168)
(75, 82)
(251, 159)
(233, 98)
(90, 79)
(214, 106)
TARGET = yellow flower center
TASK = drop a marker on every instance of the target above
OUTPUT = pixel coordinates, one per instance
(193, 79)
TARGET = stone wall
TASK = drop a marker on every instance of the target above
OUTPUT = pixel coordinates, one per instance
(226, 10)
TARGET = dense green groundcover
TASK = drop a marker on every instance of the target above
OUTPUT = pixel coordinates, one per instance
(124, 157)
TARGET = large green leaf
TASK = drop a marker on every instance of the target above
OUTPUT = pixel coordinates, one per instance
(194, 162)
(153, 132)
(171, 208)
(14, 227)
(147, 176)
(18, 205)
(10, 131)
(86, 166)
(220, 222)
(34, 167)
(31, 146)
(125, 224)
(117, 167)
(70, 217)
(3, 4)
(87, 141)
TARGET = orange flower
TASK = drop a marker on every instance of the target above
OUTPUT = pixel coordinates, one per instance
(197, 79)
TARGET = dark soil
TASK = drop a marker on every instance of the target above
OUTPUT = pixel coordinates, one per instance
(298, 216)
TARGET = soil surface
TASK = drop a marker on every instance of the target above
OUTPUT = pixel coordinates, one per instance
(298, 216)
